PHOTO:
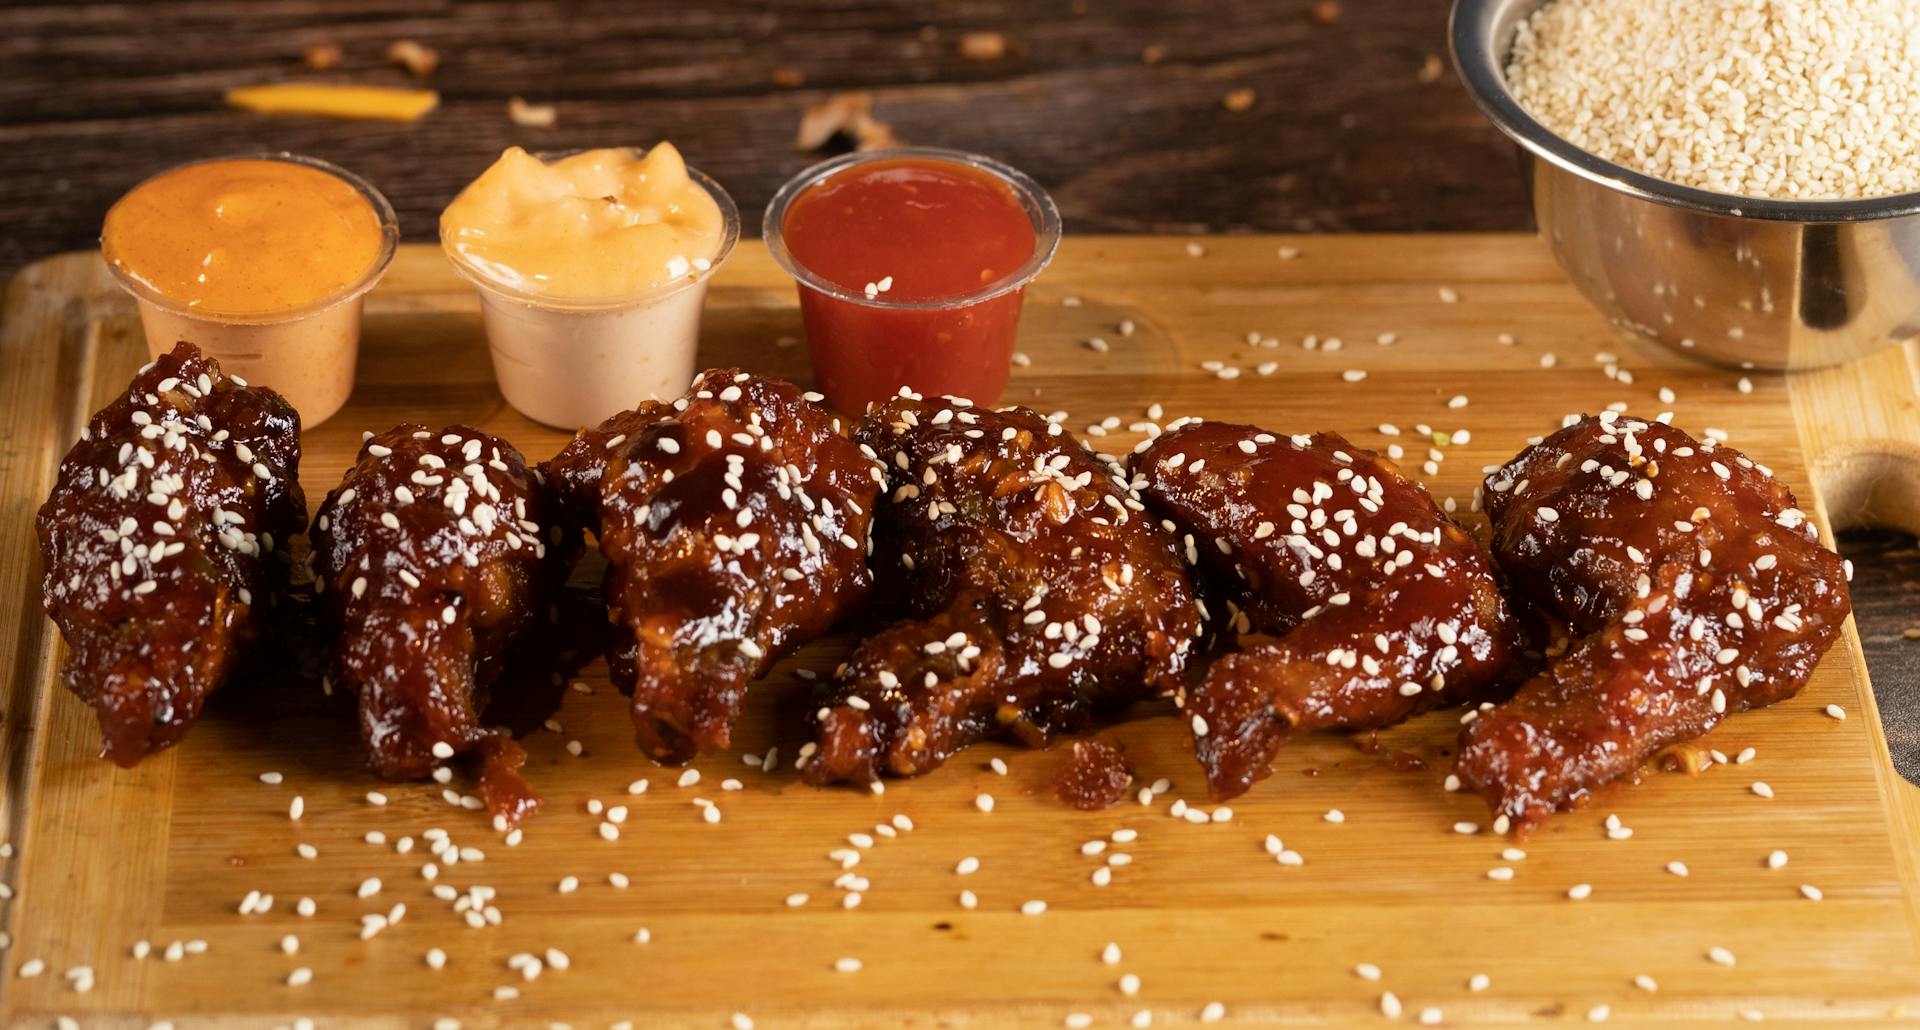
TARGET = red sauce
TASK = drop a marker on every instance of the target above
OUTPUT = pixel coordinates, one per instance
(939, 230)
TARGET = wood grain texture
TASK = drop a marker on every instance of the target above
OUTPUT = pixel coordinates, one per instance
(1342, 135)
(166, 852)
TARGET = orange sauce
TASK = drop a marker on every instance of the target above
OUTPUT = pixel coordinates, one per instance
(244, 238)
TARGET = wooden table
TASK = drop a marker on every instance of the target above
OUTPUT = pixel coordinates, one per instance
(1118, 106)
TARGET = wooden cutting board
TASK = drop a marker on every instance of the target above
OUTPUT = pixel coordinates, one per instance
(102, 858)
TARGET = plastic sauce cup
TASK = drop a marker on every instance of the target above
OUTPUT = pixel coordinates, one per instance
(866, 347)
(307, 354)
(570, 363)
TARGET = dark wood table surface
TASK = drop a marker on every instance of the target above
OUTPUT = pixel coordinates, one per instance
(1120, 107)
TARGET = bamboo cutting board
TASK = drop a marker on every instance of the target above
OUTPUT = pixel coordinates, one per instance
(103, 858)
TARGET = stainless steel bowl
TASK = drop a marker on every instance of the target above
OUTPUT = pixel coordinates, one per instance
(1740, 281)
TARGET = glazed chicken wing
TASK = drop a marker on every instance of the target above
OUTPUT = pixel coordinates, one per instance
(433, 560)
(164, 533)
(734, 523)
(1693, 585)
(1041, 594)
(1377, 606)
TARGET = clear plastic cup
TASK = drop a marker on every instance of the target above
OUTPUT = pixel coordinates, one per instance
(864, 348)
(571, 363)
(307, 354)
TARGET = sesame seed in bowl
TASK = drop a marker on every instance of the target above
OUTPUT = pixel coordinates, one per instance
(1734, 181)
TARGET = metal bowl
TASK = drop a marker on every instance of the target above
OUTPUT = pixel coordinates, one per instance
(1740, 281)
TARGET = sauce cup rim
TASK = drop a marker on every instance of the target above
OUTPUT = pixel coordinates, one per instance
(1033, 200)
(383, 211)
(729, 236)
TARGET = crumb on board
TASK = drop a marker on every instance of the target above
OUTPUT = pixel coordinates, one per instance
(532, 116)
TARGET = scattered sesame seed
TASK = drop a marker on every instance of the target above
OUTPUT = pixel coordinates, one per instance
(1580, 891)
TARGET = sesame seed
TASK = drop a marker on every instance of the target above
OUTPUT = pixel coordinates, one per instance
(1811, 893)
(983, 802)
(1213, 1012)
(1760, 787)
(1720, 956)
(1479, 982)
(1334, 815)
(1580, 891)
(1776, 859)
(1032, 908)
(1367, 971)
(1646, 983)
(1390, 1006)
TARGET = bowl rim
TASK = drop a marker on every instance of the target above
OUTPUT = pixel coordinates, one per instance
(1479, 60)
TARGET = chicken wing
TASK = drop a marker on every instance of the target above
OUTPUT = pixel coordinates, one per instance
(734, 522)
(1377, 605)
(1692, 583)
(164, 534)
(1040, 594)
(433, 560)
